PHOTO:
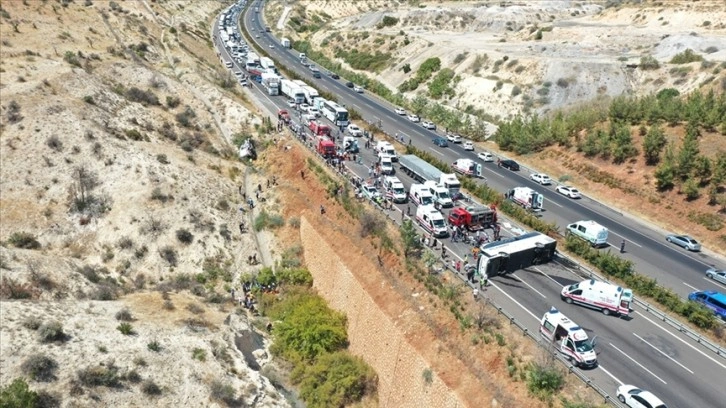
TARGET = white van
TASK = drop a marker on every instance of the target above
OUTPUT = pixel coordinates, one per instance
(386, 164)
(386, 148)
(568, 338)
(421, 195)
(228, 64)
(598, 295)
(432, 221)
(395, 189)
(590, 231)
(440, 193)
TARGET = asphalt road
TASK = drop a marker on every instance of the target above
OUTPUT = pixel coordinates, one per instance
(672, 266)
(637, 350)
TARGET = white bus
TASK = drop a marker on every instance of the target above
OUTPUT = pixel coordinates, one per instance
(335, 113)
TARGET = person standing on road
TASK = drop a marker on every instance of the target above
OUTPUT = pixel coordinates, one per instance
(622, 247)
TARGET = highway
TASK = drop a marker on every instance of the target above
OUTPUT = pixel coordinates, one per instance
(636, 350)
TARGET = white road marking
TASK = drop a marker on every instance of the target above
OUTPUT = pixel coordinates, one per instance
(696, 289)
(664, 354)
(530, 286)
(547, 276)
(640, 365)
(492, 284)
(611, 376)
(713, 281)
(552, 202)
(436, 151)
(681, 340)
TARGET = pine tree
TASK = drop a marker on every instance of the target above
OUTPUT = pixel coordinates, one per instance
(653, 145)
(688, 153)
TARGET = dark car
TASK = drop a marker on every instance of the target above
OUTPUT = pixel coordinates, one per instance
(334, 75)
(509, 164)
(349, 84)
(441, 142)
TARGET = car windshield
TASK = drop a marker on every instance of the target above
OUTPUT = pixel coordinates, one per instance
(398, 191)
(444, 195)
(438, 223)
(583, 346)
(426, 200)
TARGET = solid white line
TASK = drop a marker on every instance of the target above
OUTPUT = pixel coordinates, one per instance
(552, 202)
(547, 276)
(696, 289)
(611, 376)
(513, 300)
(664, 354)
(436, 151)
(530, 286)
(640, 365)
(681, 340)
(714, 281)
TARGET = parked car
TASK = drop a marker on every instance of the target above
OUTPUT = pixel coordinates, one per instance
(349, 84)
(541, 179)
(358, 89)
(413, 118)
(716, 274)
(569, 191)
(440, 141)
(355, 130)
(485, 156)
(509, 164)
(428, 125)
(453, 138)
(684, 241)
(469, 146)
(633, 396)
(400, 111)
(370, 192)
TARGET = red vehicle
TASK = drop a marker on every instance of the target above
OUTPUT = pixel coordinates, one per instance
(325, 146)
(283, 115)
(319, 129)
(473, 217)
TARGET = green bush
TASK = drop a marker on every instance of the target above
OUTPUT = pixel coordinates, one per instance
(52, 332)
(648, 62)
(387, 21)
(686, 57)
(24, 240)
(125, 328)
(39, 367)
(97, 376)
(18, 395)
(544, 381)
(149, 387)
(335, 380)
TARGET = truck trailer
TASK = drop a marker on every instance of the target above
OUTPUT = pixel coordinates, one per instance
(422, 171)
(510, 255)
(268, 64)
(292, 91)
(310, 94)
(285, 42)
(271, 82)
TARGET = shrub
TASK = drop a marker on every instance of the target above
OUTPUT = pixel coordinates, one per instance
(168, 254)
(54, 143)
(154, 346)
(648, 62)
(149, 387)
(388, 21)
(32, 322)
(52, 332)
(222, 392)
(125, 328)
(18, 395)
(124, 315)
(336, 380)
(199, 354)
(145, 98)
(686, 57)
(24, 240)
(161, 158)
(544, 381)
(516, 90)
(39, 367)
(133, 376)
(184, 236)
(97, 376)
(172, 101)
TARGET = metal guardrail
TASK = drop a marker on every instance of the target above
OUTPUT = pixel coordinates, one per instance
(682, 328)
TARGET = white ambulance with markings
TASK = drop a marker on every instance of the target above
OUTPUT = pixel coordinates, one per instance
(568, 338)
(421, 195)
(431, 220)
(598, 295)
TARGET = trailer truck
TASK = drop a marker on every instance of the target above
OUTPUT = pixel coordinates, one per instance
(310, 94)
(271, 82)
(292, 91)
(568, 338)
(510, 255)
(285, 42)
(598, 295)
(268, 64)
(422, 171)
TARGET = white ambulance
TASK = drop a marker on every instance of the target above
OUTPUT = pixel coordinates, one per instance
(569, 338)
(432, 221)
(598, 295)
(421, 195)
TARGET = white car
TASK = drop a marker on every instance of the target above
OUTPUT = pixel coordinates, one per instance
(428, 125)
(413, 118)
(272, 45)
(540, 178)
(314, 111)
(304, 107)
(485, 156)
(291, 103)
(358, 89)
(633, 396)
(400, 111)
(355, 130)
(469, 146)
(717, 275)
(453, 138)
(568, 191)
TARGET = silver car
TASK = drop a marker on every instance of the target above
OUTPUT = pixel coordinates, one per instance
(718, 275)
(684, 241)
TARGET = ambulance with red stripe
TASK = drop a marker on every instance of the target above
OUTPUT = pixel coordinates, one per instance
(431, 220)
(602, 296)
(569, 338)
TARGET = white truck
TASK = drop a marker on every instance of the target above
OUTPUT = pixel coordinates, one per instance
(432, 221)
(310, 94)
(422, 171)
(268, 64)
(395, 189)
(386, 148)
(512, 254)
(285, 42)
(253, 59)
(590, 231)
(467, 167)
(271, 82)
(386, 164)
(421, 195)
(598, 295)
(526, 197)
(440, 193)
(569, 338)
(292, 91)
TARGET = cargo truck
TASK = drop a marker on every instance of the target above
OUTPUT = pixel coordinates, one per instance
(510, 255)
(271, 82)
(268, 64)
(602, 296)
(568, 338)
(422, 171)
(318, 128)
(285, 42)
(292, 91)
(310, 94)
(325, 147)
